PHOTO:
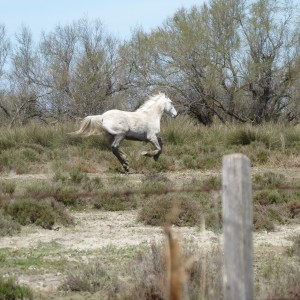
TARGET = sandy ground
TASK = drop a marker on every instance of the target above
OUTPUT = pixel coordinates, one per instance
(96, 229)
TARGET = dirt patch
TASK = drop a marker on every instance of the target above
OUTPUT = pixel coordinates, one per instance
(99, 229)
(95, 229)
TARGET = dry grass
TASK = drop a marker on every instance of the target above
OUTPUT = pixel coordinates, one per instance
(174, 272)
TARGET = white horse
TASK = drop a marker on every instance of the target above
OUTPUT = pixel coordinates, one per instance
(141, 125)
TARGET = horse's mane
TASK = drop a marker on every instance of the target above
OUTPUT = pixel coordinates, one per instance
(150, 102)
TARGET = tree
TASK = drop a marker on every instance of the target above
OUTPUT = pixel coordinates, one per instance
(4, 51)
(235, 60)
(98, 74)
(271, 61)
(24, 96)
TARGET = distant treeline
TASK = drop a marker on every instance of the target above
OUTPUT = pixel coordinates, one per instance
(226, 61)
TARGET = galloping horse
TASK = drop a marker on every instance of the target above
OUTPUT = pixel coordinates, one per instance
(141, 125)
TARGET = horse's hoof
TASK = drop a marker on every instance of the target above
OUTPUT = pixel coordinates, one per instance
(126, 168)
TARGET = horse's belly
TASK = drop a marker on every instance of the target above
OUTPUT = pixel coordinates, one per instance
(136, 136)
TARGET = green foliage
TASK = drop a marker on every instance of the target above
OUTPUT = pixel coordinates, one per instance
(119, 201)
(68, 195)
(269, 197)
(10, 290)
(7, 187)
(157, 211)
(13, 160)
(212, 182)
(76, 176)
(8, 226)
(294, 250)
(245, 135)
(187, 146)
(269, 180)
(41, 213)
(91, 277)
(155, 181)
(6, 143)
(279, 278)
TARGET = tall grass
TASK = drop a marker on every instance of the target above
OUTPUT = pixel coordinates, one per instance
(187, 145)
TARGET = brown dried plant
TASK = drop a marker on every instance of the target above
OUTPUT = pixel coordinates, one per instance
(175, 263)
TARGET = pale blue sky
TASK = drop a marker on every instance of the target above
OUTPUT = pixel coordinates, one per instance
(119, 17)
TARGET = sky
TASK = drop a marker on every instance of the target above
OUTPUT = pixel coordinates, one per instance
(119, 17)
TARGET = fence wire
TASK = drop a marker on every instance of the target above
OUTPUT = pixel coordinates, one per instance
(130, 192)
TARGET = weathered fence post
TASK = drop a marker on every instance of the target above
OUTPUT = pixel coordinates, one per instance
(237, 227)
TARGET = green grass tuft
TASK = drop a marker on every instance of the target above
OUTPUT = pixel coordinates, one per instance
(10, 290)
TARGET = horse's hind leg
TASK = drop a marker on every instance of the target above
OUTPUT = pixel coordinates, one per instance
(119, 153)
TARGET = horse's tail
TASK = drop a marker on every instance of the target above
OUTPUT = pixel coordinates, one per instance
(91, 125)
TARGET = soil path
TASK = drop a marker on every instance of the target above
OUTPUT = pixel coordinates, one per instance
(96, 229)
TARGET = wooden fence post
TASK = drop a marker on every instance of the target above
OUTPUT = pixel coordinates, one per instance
(237, 227)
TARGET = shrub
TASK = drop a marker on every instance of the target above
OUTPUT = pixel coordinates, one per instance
(279, 278)
(117, 202)
(180, 131)
(154, 181)
(7, 187)
(269, 180)
(41, 213)
(8, 226)
(269, 197)
(148, 275)
(203, 268)
(294, 209)
(266, 216)
(30, 155)
(90, 277)
(6, 143)
(76, 176)
(13, 160)
(10, 290)
(156, 211)
(39, 189)
(242, 136)
(294, 250)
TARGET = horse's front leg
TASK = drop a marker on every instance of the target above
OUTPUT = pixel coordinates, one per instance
(157, 143)
(121, 156)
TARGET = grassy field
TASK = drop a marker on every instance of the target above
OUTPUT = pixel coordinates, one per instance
(48, 176)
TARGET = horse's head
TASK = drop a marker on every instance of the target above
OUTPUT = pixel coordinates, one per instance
(169, 108)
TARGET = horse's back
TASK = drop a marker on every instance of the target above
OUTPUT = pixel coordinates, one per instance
(126, 123)
(115, 121)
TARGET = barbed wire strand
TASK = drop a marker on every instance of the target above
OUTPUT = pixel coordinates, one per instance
(145, 192)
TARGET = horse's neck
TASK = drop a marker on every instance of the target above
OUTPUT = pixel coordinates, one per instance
(155, 112)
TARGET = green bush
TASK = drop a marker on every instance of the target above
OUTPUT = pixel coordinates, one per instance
(13, 160)
(6, 143)
(157, 210)
(7, 187)
(10, 290)
(8, 226)
(119, 201)
(42, 213)
(269, 180)
(91, 277)
(269, 197)
(242, 136)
